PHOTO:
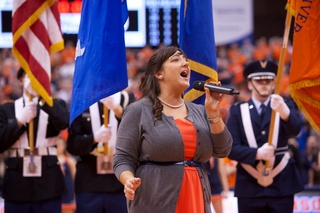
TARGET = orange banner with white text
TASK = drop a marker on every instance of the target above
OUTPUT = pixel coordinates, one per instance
(304, 80)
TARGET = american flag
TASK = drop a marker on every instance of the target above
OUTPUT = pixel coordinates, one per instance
(36, 34)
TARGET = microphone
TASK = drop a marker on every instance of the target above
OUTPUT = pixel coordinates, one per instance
(199, 85)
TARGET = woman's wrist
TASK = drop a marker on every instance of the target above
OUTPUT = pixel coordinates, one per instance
(214, 119)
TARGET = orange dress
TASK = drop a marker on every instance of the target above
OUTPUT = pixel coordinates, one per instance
(191, 196)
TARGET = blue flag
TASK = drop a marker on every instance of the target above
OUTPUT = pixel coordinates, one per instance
(197, 41)
(100, 64)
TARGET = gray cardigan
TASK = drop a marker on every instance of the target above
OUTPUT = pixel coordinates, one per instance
(139, 140)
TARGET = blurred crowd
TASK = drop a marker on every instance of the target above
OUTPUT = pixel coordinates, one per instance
(231, 60)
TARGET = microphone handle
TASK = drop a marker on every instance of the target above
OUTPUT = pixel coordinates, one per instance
(224, 90)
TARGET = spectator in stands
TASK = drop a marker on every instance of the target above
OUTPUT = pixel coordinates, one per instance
(313, 155)
(68, 167)
(300, 159)
(218, 181)
(231, 170)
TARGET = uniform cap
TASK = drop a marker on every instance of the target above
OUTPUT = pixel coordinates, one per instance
(260, 70)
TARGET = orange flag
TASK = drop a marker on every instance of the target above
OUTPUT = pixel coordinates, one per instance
(304, 80)
(36, 34)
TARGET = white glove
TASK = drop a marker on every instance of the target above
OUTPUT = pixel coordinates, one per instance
(278, 105)
(27, 86)
(28, 113)
(109, 102)
(103, 134)
(265, 152)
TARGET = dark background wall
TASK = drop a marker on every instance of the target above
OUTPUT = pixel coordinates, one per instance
(269, 18)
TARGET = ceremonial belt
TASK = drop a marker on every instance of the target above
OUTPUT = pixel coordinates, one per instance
(246, 121)
(274, 172)
(169, 163)
(39, 151)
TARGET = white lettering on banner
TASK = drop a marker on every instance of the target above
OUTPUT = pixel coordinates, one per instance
(304, 202)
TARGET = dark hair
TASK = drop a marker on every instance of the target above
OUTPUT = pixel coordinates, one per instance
(20, 73)
(296, 156)
(149, 83)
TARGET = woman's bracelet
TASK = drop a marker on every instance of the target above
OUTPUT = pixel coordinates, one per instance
(215, 119)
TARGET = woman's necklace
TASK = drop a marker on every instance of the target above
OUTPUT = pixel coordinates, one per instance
(172, 106)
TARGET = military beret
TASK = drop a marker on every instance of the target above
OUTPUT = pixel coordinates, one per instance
(260, 70)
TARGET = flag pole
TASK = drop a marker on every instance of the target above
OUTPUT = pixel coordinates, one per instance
(278, 80)
(106, 123)
(31, 142)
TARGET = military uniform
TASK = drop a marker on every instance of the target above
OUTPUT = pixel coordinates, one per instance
(276, 196)
(89, 185)
(20, 191)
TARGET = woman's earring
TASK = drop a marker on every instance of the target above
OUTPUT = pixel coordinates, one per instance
(159, 76)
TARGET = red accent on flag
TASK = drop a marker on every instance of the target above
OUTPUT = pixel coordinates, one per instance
(36, 34)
